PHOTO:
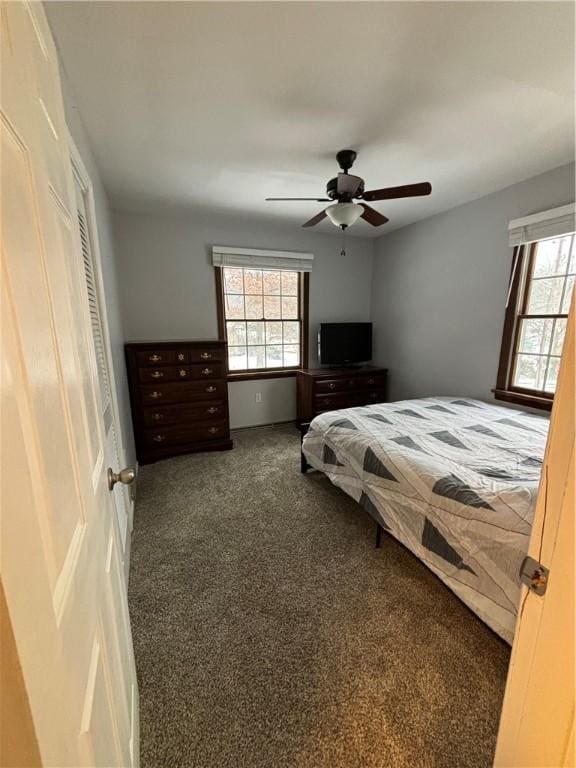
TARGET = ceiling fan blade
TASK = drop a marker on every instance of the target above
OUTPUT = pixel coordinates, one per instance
(314, 199)
(372, 216)
(392, 193)
(315, 219)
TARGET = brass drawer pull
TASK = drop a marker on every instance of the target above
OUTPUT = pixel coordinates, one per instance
(207, 371)
(183, 372)
(158, 416)
(157, 374)
(155, 358)
(180, 357)
(159, 438)
(213, 430)
(155, 394)
(370, 381)
(206, 355)
(332, 385)
(212, 410)
(210, 389)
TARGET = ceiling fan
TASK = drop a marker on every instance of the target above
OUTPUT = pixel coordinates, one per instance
(345, 188)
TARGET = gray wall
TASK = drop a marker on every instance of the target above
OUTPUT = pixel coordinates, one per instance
(108, 264)
(439, 290)
(168, 291)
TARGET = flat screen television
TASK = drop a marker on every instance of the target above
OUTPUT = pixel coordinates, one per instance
(344, 343)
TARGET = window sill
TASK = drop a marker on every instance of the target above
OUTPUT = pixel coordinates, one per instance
(283, 373)
(524, 398)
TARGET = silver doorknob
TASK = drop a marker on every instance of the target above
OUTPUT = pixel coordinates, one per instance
(125, 476)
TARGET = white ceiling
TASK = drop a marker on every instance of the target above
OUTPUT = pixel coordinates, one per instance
(219, 105)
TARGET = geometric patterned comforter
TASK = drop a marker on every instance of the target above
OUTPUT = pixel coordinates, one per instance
(453, 479)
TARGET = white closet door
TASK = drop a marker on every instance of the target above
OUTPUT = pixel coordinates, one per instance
(114, 458)
(61, 552)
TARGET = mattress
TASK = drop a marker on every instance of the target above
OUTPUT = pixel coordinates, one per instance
(453, 479)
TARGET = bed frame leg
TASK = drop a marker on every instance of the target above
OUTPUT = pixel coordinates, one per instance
(378, 535)
(304, 466)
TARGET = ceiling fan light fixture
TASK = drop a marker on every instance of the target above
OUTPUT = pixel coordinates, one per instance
(345, 188)
(343, 215)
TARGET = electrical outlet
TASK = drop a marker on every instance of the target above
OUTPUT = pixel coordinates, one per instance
(258, 397)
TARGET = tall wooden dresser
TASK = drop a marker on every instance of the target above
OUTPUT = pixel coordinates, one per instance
(327, 389)
(179, 397)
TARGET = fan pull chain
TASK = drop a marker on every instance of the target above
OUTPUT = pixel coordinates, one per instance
(343, 251)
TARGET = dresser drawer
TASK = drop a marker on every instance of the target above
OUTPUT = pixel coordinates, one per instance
(162, 357)
(370, 382)
(331, 402)
(371, 396)
(184, 413)
(326, 386)
(348, 399)
(183, 392)
(206, 355)
(166, 373)
(167, 436)
(206, 371)
(181, 373)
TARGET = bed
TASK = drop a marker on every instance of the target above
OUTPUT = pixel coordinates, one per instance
(453, 479)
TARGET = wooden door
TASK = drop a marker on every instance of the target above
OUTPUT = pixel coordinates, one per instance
(61, 562)
(537, 724)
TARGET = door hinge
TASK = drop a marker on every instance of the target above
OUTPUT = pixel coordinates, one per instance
(534, 575)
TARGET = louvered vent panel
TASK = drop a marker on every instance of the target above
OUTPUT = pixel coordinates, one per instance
(94, 312)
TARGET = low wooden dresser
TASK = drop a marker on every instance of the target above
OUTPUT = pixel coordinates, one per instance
(179, 397)
(325, 389)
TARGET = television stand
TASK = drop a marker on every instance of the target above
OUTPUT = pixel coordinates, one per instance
(329, 389)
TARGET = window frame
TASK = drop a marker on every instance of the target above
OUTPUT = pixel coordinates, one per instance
(520, 282)
(254, 374)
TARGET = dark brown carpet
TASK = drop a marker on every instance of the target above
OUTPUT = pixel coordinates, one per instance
(269, 633)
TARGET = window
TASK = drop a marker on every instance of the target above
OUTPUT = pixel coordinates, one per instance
(536, 316)
(264, 318)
